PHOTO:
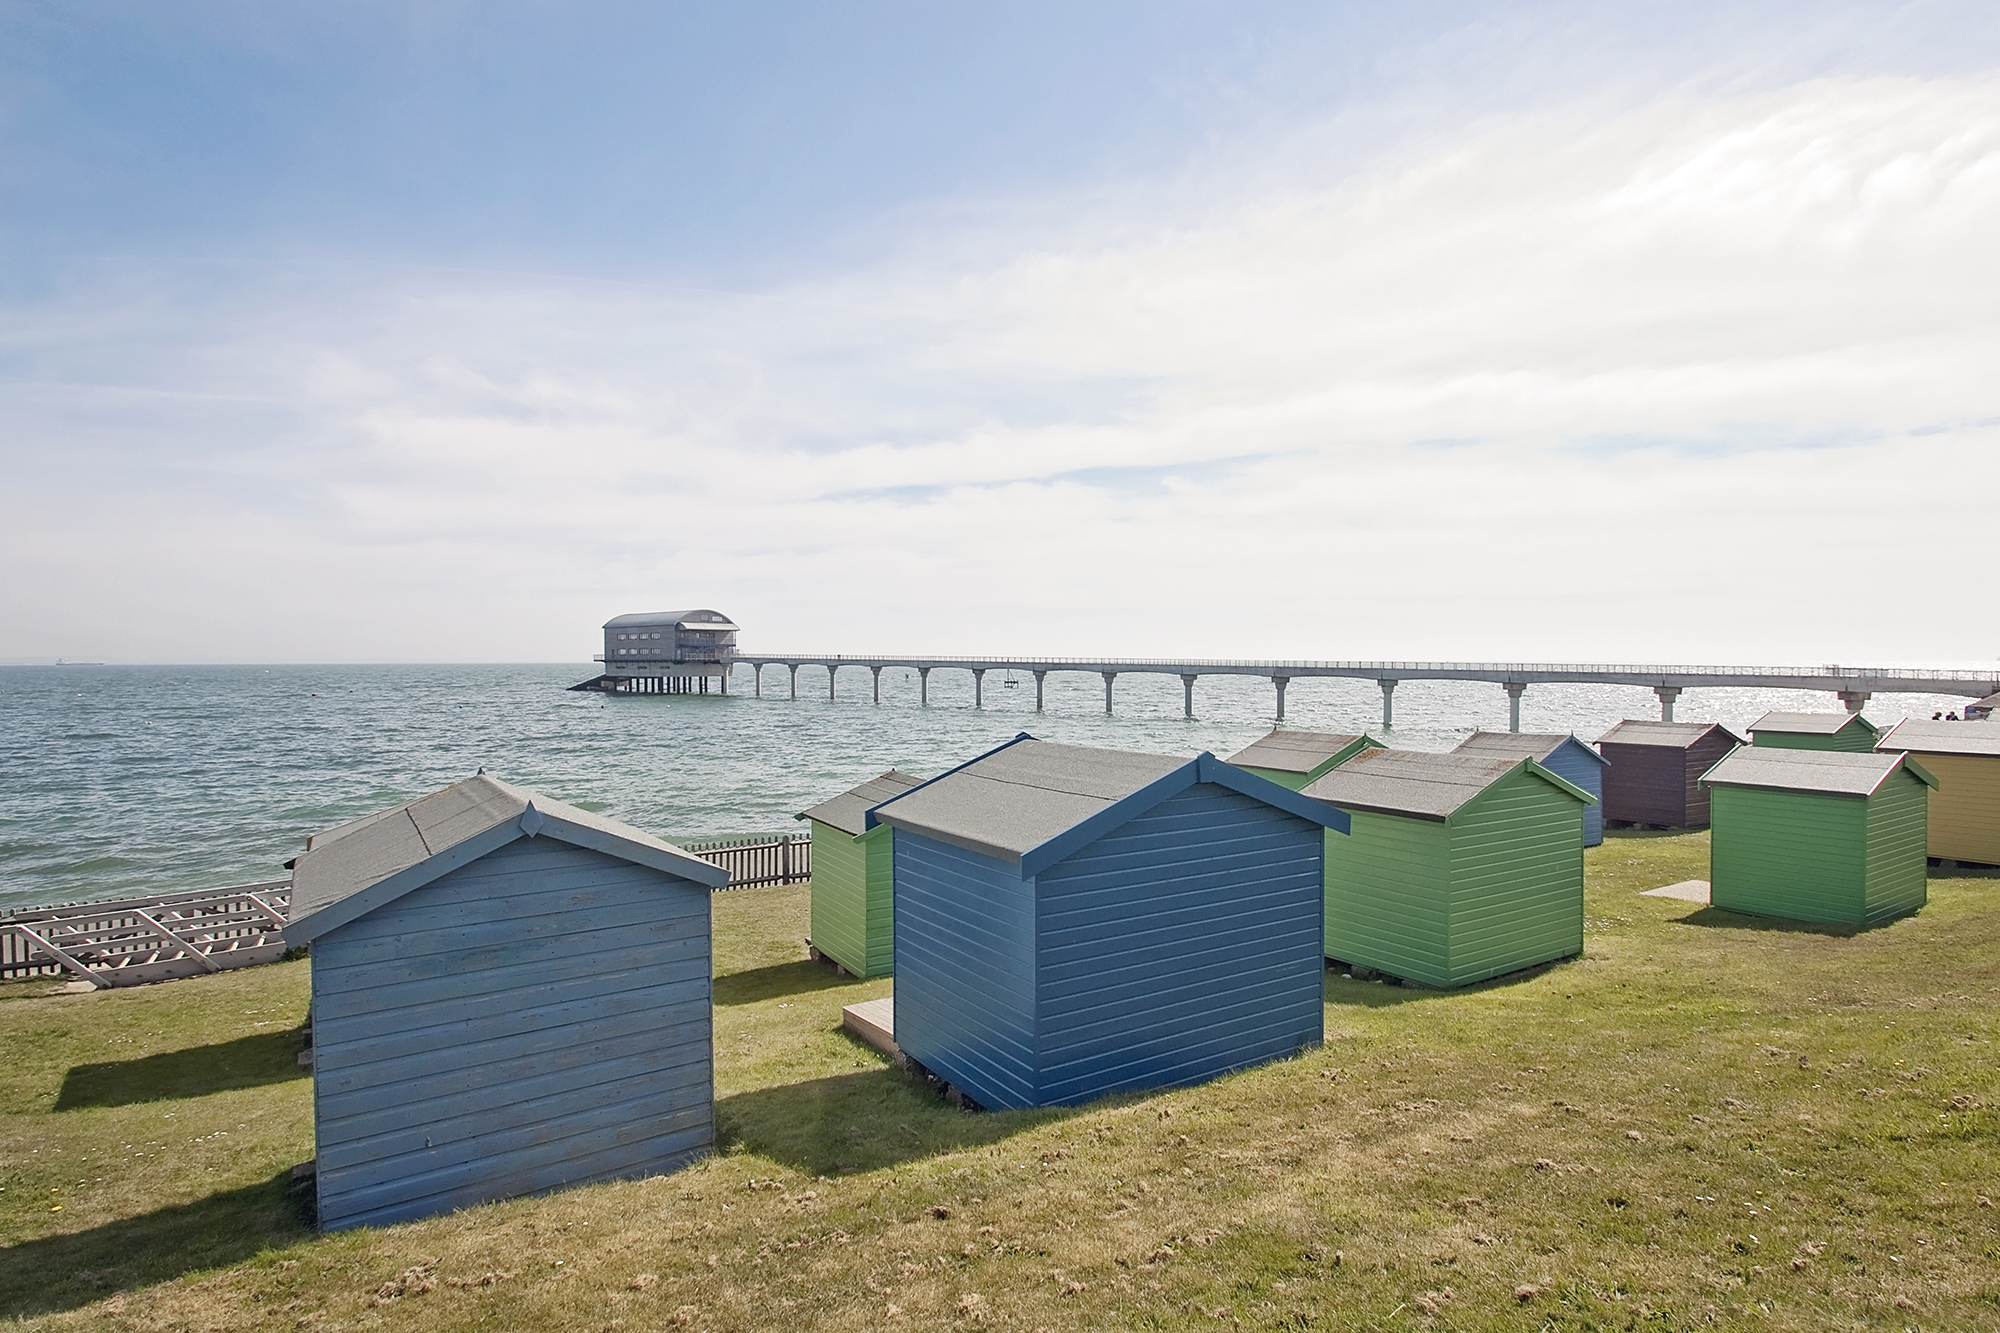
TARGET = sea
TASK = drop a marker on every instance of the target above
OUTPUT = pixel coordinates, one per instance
(122, 781)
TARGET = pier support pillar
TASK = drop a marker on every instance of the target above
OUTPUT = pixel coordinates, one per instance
(1667, 693)
(795, 678)
(758, 667)
(923, 687)
(878, 683)
(1388, 703)
(979, 688)
(1515, 689)
(831, 672)
(1040, 676)
(1281, 682)
(1109, 676)
(726, 671)
(1187, 697)
(1854, 699)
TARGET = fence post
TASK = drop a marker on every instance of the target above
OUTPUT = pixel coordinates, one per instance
(785, 861)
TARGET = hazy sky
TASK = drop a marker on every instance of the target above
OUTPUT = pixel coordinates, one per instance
(435, 332)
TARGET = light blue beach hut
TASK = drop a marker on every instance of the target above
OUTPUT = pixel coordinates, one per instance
(1072, 922)
(1563, 755)
(510, 995)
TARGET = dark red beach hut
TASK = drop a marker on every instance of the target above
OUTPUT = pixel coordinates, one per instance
(1653, 772)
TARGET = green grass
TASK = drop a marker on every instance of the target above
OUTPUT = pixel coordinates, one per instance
(1704, 1121)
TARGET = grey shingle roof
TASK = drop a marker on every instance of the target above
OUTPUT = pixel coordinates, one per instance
(1537, 746)
(845, 811)
(1807, 724)
(1673, 735)
(344, 861)
(696, 619)
(1826, 772)
(1012, 801)
(1977, 738)
(1292, 751)
(1408, 782)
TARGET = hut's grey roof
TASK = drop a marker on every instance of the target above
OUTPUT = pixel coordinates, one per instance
(696, 619)
(1013, 800)
(342, 864)
(1410, 782)
(1976, 738)
(1991, 701)
(1825, 772)
(1671, 735)
(1808, 724)
(1537, 746)
(847, 811)
(1292, 751)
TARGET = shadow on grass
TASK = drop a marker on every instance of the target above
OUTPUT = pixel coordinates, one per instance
(247, 1062)
(1721, 918)
(768, 983)
(861, 1121)
(1371, 995)
(56, 1273)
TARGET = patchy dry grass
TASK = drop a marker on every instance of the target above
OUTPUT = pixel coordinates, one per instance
(1704, 1121)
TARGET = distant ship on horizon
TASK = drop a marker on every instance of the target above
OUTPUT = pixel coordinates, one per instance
(60, 661)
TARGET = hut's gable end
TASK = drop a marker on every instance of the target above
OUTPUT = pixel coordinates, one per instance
(1789, 854)
(1645, 784)
(536, 1019)
(1898, 881)
(965, 971)
(839, 897)
(1388, 886)
(1516, 878)
(1180, 945)
(1577, 763)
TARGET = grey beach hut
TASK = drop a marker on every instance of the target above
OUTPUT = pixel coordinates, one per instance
(510, 995)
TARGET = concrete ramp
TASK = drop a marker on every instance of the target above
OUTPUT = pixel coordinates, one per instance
(1688, 891)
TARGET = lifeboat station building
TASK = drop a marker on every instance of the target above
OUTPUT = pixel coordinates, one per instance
(666, 652)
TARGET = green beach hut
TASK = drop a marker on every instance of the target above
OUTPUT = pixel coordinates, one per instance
(1457, 867)
(1847, 732)
(1813, 835)
(853, 878)
(1294, 758)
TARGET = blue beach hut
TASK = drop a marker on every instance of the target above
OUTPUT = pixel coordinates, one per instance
(510, 995)
(1072, 922)
(1565, 756)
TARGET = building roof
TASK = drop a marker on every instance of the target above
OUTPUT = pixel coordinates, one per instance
(1809, 724)
(1292, 751)
(1537, 746)
(349, 871)
(698, 619)
(1421, 785)
(1977, 738)
(1034, 802)
(1670, 735)
(1823, 772)
(848, 811)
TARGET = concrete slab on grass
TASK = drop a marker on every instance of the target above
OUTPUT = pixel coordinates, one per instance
(874, 1021)
(1688, 891)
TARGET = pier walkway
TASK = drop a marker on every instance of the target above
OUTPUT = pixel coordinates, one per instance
(1853, 685)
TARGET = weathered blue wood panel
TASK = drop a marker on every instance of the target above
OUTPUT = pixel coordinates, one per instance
(1574, 762)
(965, 972)
(1182, 945)
(537, 1018)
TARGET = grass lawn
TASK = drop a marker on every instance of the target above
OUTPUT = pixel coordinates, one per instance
(1704, 1121)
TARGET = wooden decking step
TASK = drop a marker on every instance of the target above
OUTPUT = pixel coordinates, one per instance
(874, 1021)
(1688, 891)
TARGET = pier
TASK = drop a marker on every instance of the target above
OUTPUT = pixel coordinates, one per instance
(1853, 686)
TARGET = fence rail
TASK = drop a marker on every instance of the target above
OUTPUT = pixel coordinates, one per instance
(131, 941)
(771, 859)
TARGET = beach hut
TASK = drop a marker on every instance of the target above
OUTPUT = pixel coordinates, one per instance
(1294, 758)
(1848, 732)
(1563, 755)
(1965, 808)
(1817, 835)
(853, 902)
(1457, 867)
(1653, 771)
(1072, 922)
(510, 995)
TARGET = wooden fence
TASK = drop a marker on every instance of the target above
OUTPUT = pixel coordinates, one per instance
(136, 940)
(771, 859)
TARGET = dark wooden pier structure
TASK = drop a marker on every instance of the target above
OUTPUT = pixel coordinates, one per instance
(132, 941)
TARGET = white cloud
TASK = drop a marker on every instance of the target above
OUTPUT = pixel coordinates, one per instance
(1691, 351)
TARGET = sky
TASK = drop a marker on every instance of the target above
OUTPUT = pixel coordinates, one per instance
(1543, 332)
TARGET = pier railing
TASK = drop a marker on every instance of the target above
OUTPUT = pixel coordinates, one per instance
(768, 859)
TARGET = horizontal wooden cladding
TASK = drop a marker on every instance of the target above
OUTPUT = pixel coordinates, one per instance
(964, 929)
(1788, 854)
(1898, 876)
(1517, 880)
(1388, 895)
(1646, 784)
(840, 906)
(1965, 809)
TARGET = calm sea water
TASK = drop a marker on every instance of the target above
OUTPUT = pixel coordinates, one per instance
(117, 781)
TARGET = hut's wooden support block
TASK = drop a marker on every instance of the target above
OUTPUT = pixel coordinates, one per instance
(874, 1022)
